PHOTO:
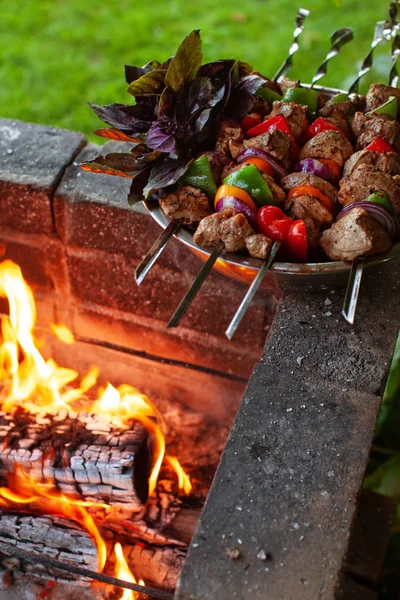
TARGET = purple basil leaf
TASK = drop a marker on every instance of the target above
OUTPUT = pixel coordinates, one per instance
(165, 173)
(133, 73)
(126, 118)
(159, 140)
(139, 181)
(252, 83)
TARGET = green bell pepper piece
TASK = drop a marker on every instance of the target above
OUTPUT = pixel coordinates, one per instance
(200, 176)
(388, 108)
(382, 199)
(338, 98)
(305, 96)
(268, 94)
(250, 179)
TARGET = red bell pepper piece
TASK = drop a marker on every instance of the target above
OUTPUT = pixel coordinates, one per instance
(250, 121)
(277, 122)
(273, 223)
(297, 241)
(319, 126)
(380, 145)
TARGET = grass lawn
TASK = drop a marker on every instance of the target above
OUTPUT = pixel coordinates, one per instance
(56, 54)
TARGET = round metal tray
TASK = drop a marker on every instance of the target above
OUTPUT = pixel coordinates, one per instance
(289, 275)
(307, 276)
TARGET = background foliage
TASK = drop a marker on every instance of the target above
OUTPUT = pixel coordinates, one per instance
(56, 54)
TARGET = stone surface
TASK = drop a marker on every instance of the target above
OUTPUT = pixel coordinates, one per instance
(32, 161)
(289, 477)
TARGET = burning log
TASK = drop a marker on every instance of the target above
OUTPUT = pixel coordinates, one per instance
(50, 536)
(159, 567)
(83, 454)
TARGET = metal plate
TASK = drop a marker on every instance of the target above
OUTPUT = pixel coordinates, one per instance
(307, 276)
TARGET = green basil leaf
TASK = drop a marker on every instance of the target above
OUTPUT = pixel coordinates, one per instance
(185, 64)
(149, 84)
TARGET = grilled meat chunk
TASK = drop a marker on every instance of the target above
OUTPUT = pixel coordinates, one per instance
(308, 207)
(228, 227)
(286, 84)
(369, 127)
(294, 179)
(229, 131)
(295, 115)
(277, 192)
(355, 234)
(235, 148)
(185, 202)
(216, 165)
(258, 245)
(328, 144)
(335, 109)
(379, 93)
(364, 181)
(315, 216)
(276, 143)
(386, 162)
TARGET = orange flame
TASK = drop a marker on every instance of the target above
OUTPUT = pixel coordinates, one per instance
(45, 498)
(184, 482)
(122, 571)
(62, 332)
(42, 386)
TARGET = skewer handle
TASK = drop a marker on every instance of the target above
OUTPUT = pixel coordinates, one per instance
(194, 288)
(251, 292)
(156, 249)
(383, 32)
(394, 75)
(353, 290)
(287, 64)
(338, 39)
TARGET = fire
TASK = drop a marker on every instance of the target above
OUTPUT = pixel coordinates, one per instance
(184, 482)
(62, 332)
(123, 572)
(42, 386)
(43, 497)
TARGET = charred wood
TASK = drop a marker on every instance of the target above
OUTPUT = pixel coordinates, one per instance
(50, 536)
(83, 454)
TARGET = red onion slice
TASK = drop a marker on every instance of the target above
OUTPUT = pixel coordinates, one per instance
(279, 171)
(233, 202)
(314, 167)
(378, 212)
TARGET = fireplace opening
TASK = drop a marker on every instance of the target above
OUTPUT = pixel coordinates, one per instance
(93, 473)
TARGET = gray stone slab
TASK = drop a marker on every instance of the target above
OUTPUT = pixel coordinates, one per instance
(286, 488)
(278, 517)
(32, 161)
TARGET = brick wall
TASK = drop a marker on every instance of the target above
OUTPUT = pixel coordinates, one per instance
(78, 243)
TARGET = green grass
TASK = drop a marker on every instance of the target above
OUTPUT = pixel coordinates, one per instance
(57, 54)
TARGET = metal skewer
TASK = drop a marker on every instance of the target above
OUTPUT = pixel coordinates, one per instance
(384, 30)
(251, 292)
(302, 13)
(339, 38)
(353, 290)
(194, 288)
(155, 251)
(394, 75)
(383, 33)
